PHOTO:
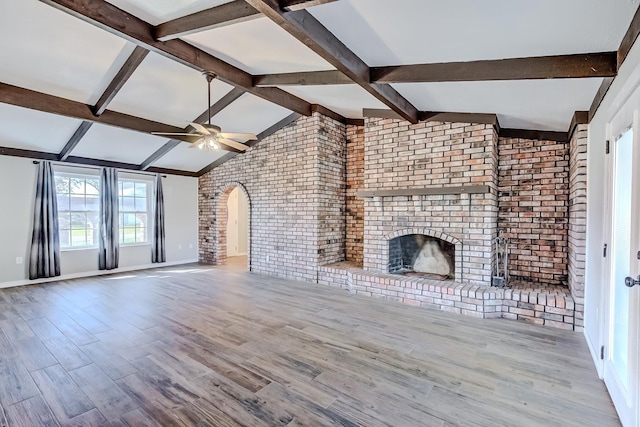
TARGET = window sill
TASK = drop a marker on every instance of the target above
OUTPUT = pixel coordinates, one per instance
(91, 248)
(130, 245)
(80, 248)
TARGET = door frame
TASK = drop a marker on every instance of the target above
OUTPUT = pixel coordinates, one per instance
(628, 115)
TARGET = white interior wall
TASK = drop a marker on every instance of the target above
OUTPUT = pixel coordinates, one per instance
(17, 188)
(627, 80)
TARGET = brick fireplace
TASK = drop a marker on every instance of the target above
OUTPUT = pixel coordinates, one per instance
(329, 199)
(440, 182)
(462, 183)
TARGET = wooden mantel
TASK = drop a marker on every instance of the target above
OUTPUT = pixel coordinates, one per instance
(470, 189)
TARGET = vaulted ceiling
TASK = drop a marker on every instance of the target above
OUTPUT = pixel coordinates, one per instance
(88, 80)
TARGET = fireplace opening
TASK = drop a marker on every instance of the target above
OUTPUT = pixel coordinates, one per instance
(420, 255)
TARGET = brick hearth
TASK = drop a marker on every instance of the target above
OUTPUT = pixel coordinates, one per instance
(549, 305)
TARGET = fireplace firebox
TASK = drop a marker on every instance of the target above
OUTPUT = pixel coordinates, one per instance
(420, 255)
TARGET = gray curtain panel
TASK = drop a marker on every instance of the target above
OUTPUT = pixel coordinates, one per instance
(158, 253)
(44, 257)
(109, 242)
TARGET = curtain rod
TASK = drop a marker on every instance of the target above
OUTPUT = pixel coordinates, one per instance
(35, 162)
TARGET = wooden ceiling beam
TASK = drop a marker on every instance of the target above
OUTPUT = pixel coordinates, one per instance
(579, 118)
(531, 68)
(305, 78)
(541, 135)
(159, 153)
(220, 105)
(306, 28)
(74, 140)
(220, 16)
(623, 51)
(116, 21)
(33, 100)
(41, 155)
(436, 116)
(121, 77)
(629, 38)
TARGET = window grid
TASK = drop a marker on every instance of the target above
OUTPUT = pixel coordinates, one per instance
(78, 205)
(133, 197)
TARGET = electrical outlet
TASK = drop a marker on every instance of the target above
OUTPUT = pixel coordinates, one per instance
(19, 260)
(267, 258)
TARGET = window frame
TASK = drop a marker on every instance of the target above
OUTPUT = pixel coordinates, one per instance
(148, 212)
(70, 211)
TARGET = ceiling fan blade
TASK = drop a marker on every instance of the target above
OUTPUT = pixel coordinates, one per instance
(248, 136)
(190, 138)
(200, 128)
(233, 144)
(173, 134)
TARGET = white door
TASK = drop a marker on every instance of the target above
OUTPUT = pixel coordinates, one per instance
(622, 363)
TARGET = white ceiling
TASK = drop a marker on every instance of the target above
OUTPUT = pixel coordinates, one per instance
(167, 92)
(49, 51)
(347, 100)
(116, 144)
(384, 32)
(191, 159)
(527, 104)
(249, 114)
(158, 11)
(258, 46)
(33, 130)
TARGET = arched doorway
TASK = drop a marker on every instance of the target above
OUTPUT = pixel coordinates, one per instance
(234, 225)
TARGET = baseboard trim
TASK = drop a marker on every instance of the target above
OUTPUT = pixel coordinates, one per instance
(595, 354)
(94, 273)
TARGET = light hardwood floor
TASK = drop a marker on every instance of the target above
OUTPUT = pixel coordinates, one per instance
(204, 346)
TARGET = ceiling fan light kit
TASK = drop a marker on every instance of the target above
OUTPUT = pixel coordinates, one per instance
(208, 137)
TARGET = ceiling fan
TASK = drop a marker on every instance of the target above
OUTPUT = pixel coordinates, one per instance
(210, 137)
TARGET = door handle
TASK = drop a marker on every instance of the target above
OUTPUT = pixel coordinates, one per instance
(631, 282)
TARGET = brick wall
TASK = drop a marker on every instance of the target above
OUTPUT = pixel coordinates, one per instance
(431, 155)
(331, 181)
(355, 205)
(533, 207)
(295, 183)
(577, 218)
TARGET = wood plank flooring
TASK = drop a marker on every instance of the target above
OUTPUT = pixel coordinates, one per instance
(196, 345)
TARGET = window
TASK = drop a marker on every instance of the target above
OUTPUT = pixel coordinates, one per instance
(78, 205)
(134, 210)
